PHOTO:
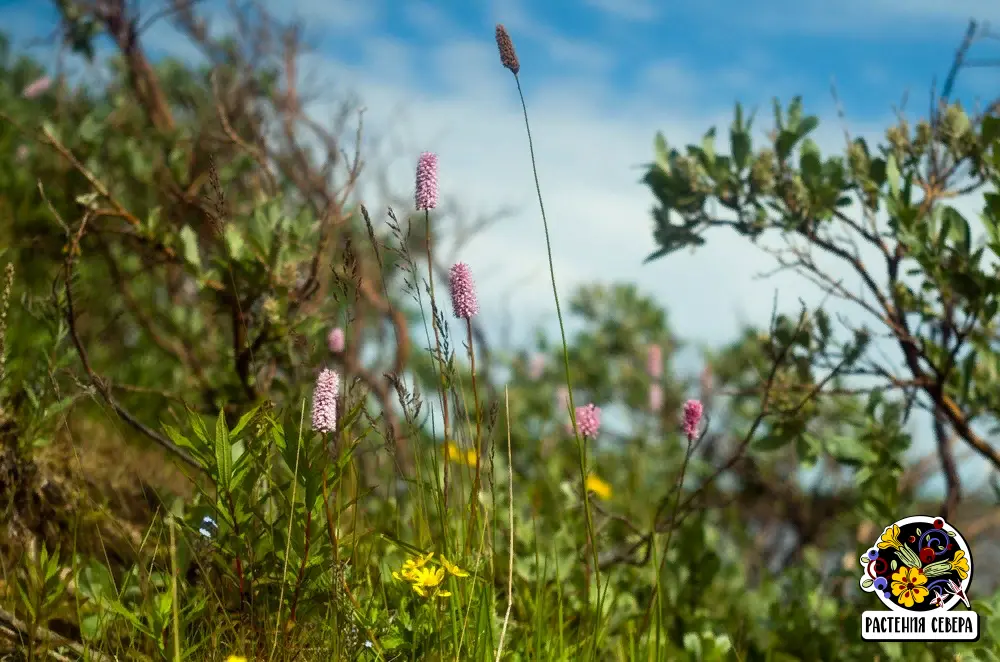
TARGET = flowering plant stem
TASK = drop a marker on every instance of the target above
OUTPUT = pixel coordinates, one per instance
(437, 353)
(474, 496)
(562, 331)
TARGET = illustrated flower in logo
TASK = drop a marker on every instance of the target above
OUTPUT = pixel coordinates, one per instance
(890, 538)
(916, 564)
(908, 586)
(960, 564)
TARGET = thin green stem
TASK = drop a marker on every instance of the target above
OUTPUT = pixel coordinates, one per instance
(437, 346)
(474, 497)
(562, 331)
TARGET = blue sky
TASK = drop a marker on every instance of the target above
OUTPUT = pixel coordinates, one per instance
(601, 77)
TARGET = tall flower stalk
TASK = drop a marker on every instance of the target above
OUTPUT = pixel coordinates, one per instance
(508, 58)
(426, 198)
(465, 305)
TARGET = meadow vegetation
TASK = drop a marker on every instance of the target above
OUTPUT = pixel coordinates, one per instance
(243, 415)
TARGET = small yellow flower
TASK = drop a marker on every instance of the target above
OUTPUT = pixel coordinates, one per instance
(452, 568)
(236, 658)
(456, 454)
(412, 566)
(908, 586)
(598, 486)
(426, 579)
(960, 564)
(889, 538)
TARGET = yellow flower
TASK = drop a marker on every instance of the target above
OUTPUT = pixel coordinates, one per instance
(908, 586)
(425, 580)
(889, 538)
(596, 485)
(960, 564)
(412, 566)
(236, 658)
(452, 568)
(456, 454)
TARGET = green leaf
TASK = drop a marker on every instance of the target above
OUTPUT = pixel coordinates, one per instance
(892, 175)
(739, 144)
(867, 583)
(849, 449)
(809, 161)
(153, 220)
(657, 254)
(772, 442)
(195, 450)
(244, 420)
(807, 125)
(990, 129)
(661, 153)
(234, 241)
(784, 143)
(190, 242)
(959, 233)
(223, 452)
(708, 147)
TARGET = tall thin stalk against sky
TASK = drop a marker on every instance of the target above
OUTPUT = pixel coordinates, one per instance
(465, 305)
(426, 198)
(508, 58)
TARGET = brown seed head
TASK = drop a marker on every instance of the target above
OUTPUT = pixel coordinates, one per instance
(508, 58)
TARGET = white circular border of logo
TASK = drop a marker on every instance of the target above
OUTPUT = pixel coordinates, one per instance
(923, 519)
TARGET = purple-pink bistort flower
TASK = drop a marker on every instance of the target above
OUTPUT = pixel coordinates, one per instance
(463, 291)
(654, 361)
(692, 417)
(655, 397)
(37, 87)
(427, 181)
(324, 413)
(588, 420)
(335, 340)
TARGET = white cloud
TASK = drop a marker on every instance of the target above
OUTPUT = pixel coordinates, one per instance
(599, 212)
(872, 17)
(628, 10)
(329, 14)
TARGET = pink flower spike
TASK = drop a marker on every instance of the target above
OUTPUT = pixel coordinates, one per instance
(37, 87)
(692, 417)
(655, 397)
(588, 420)
(654, 361)
(427, 181)
(335, 341)
(463, 291)
(324, 412)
